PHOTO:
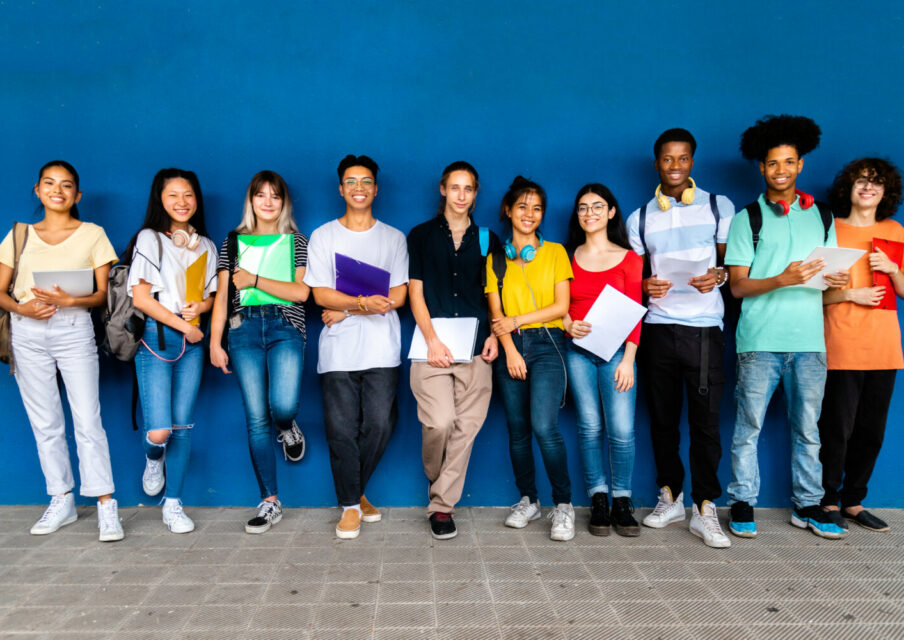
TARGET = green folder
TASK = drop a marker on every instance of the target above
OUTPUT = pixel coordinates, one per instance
(269, 256)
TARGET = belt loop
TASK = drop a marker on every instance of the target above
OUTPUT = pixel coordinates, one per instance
(703, 388)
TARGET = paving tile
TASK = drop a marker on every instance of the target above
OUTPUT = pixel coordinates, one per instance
(237, 594)
(156, 618)
(291, 592)
(471, 633)
(344, 616)
(223, 618)
(465, 614)
(117, 595)
(585, 613)
(649, 613)
(283, 616)
(406, 592)
(350, 592)
(512, 614)
(405, 615)
(31, 619)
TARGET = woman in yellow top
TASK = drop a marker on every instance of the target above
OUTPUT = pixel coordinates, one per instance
(527, 313)
(51, 330)
(863, 339)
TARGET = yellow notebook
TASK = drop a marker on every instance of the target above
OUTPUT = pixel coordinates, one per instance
(194, 282)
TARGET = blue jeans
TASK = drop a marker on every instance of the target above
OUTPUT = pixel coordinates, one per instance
(267, 354)
(803, 376)
(532, 407)
(168, 387)
(598, 403)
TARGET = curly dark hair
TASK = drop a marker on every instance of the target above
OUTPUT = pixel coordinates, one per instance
(774, 131)
(876, 169)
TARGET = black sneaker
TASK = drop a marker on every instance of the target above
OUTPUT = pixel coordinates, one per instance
(599, 514)
(292, 440)
(812, 517)
(741, 522)
(622, 520)
(268, 514)
(442, 526)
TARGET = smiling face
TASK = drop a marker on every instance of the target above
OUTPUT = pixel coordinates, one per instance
(267, 203)
(527, 213)
(674, 164)
(867, 193)
(179, 202)
(57, 190)
(780, 171)
(594, 213)
(459, 192)
(359, 188)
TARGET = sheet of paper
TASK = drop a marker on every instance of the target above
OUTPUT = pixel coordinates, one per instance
(613, 317)
(458, 334)
(679, 272)
(194, 282)
(837, 259)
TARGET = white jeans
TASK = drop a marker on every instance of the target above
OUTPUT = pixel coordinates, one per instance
(64, 341)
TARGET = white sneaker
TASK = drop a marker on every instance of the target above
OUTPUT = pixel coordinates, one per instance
(667, 510)
(152, 480)
(174, 517)
(60, 513)
(108, 521)
(706, 525)
(562, 522)
(523, 512)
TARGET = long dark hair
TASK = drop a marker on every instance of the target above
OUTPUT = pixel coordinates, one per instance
(615, 228)
(458, 165)
(68, 167)
(157, 218)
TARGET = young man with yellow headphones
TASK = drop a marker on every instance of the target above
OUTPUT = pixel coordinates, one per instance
(682, 333)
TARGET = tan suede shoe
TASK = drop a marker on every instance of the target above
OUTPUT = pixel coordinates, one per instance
(350, 525)
(369, 513)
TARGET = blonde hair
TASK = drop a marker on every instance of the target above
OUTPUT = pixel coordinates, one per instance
(286, 222)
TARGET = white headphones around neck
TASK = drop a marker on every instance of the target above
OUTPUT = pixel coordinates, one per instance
(186, 239)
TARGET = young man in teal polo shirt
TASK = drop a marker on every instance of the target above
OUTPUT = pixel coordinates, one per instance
(780, 332)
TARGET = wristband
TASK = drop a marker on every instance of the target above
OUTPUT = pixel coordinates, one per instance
(347, 314)
(361, 303)
(256, 276)
(515, 320)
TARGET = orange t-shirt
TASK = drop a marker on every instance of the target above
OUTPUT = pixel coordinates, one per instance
(860, 337)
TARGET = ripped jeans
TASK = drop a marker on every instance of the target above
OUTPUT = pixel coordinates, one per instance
(168, 387)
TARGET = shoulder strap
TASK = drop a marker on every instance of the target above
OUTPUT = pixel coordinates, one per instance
(714, 208)
(825, 214)
(483, 235)
(755, 217)
(499, 268)
(20, 237)
(641, 225)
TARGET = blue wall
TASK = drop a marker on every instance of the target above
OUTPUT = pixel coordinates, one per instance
(566, 93)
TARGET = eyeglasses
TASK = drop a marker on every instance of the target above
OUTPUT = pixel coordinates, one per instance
(596, 207)
(876, 182)
(365, 182)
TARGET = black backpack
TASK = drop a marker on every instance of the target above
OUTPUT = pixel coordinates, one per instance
(755, 215)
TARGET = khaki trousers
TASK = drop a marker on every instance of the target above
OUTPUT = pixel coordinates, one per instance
(452, 404)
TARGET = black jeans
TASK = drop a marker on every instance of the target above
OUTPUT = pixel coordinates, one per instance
(670, 361)
(360, 412)
(851, 429)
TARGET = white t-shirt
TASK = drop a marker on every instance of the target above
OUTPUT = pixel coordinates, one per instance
(358, 342)
(168, 278)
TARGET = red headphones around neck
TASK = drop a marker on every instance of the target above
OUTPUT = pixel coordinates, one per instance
(782, 208)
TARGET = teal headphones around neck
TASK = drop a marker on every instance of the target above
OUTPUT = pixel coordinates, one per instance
(528, 252)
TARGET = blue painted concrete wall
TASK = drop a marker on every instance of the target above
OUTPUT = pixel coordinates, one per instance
(565, 92)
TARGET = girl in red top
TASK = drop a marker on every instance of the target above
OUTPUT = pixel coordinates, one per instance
(601, 255)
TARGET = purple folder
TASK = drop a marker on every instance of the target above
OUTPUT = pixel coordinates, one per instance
(356, 278)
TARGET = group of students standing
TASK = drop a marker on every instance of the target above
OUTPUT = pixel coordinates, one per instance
(530, 297)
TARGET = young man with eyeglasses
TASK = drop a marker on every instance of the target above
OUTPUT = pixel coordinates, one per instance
(683, 226)
(359, 347)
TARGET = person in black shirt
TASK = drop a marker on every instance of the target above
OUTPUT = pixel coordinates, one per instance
(446, 261)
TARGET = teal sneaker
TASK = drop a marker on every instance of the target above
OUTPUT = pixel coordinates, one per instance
(817, 521)
(741, 522)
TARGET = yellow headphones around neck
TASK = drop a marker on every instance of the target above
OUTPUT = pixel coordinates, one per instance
(687, 196)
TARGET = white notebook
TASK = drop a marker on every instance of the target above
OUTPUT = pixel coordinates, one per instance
(78, 283)
(458, 334)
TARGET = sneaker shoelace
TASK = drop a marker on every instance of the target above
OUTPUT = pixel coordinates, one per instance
(711, 523)
(291, 436)
(55, 506)
(265, 509)
(175, 511)
(153, 466)
(521, 509)
(559, 517)
(661, 507)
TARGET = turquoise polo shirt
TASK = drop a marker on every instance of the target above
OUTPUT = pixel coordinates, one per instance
(788, 319)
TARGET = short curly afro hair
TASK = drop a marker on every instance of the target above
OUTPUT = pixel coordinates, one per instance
(876, 169)
(799, 132)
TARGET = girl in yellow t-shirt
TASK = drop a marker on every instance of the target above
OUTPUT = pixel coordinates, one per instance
(527, 313)
(863, 340)
(51, 330)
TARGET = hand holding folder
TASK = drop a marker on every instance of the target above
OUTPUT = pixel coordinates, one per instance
(268, 256)
(194, 283)
(895, 252)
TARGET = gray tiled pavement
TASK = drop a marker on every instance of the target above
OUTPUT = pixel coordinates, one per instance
(395, 582)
